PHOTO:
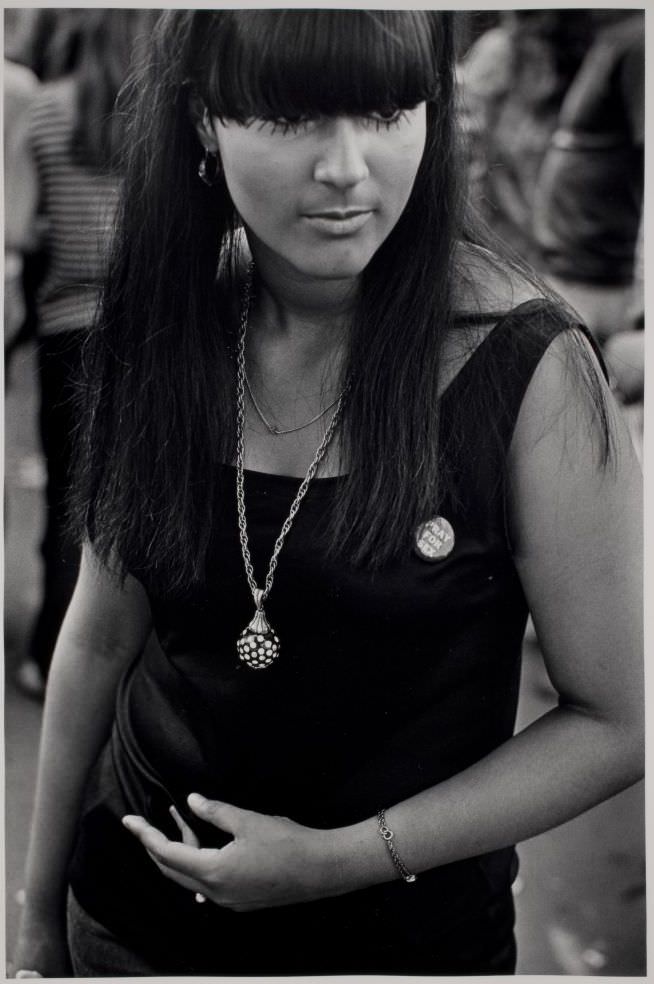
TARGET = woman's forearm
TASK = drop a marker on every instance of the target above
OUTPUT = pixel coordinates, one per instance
(106, 626)
(577, 547)
(561, 765)
(77, 718)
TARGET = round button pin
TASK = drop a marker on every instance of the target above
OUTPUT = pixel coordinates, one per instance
(434, 539)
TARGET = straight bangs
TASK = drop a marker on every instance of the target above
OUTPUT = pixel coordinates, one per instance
(289, 64)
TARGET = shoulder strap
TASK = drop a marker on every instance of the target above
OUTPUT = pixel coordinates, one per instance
(506, 359)
(510, 329)
(480, 407)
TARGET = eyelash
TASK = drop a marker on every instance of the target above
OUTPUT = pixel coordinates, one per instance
(387, 123)
(284, 126)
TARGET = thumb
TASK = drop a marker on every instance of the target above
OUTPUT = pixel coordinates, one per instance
(221, 815)
(27, 973)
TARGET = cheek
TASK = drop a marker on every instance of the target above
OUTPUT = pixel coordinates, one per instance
(258, 184)
(241, 171)
(402, 167)
(414, 149)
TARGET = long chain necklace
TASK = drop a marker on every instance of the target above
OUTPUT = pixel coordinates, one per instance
(258, 645)
(288, 430)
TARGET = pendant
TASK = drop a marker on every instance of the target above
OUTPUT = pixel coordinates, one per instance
(257, 645)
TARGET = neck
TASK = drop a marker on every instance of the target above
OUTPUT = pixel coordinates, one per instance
(297, 306)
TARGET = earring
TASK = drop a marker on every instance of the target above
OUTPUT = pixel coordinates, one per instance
(204, 172)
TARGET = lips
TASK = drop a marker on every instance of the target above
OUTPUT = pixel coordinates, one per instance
(337, 223)
(338, 214)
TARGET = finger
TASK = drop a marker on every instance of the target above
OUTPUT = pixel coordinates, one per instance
(188, 836)
(28, 973)
(221, 815)
(155, 842)
(192, 884)
(183, 858)
(150, 836)
(176, 877)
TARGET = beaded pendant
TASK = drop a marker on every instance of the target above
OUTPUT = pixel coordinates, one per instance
(258, 645)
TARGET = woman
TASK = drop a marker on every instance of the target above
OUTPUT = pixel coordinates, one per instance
(333, 645)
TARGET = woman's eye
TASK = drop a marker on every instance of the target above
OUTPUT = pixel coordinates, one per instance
(381, 119)
(286, 125)
(386, 118)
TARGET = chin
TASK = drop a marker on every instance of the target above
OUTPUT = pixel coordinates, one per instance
(329, 265)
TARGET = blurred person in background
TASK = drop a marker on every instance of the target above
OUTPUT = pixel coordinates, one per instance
(73, 134)
(588, 208)
(20, 88)
(308, 362)
(624, 351)
(512, 81)
(589, 195)
(45, 39)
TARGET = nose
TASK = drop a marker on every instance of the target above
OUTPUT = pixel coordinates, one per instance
(342, 159)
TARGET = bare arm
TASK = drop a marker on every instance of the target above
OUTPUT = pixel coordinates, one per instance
(576, 532)
(21, 179)
(104, 629)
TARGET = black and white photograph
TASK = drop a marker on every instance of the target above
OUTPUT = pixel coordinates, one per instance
(323, 504)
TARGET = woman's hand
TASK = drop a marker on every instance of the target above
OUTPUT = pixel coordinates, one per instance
(271, 861)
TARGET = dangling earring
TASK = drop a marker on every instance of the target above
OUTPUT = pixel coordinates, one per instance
(204, 171)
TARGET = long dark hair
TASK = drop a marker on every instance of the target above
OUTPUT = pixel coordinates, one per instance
(161, 401)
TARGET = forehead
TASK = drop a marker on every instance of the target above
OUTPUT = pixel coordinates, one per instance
(293, 62)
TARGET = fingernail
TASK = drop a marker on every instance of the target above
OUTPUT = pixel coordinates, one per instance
(129, 821)
(196, 800)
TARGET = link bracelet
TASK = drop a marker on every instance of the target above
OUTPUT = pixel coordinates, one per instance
(387, 836)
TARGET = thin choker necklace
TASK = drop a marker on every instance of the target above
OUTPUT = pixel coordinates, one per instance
(277, 431)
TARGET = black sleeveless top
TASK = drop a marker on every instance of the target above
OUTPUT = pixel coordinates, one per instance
(388, 682)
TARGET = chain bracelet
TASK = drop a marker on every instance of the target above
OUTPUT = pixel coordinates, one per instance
(387, 836)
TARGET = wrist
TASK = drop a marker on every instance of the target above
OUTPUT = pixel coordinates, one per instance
(357, 857)
(388, 836)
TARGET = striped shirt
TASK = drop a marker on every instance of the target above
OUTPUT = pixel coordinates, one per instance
(78, 205)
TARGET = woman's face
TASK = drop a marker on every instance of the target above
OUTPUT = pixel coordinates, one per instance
(323, 194)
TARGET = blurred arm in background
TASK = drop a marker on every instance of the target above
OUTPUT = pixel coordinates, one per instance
(21, 190)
